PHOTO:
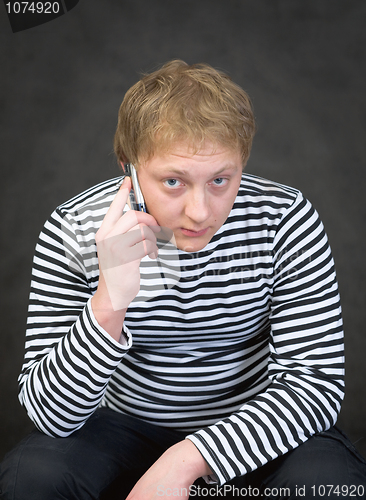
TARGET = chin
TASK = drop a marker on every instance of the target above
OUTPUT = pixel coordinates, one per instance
(191, 246)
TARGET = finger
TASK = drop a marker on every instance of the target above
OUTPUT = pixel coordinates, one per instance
(116, 246)
(116, 221)
(126, 248)
(131, 219)
(137, 234)
(146, 248)
(118, 204)
(144, 239)
(149, 242)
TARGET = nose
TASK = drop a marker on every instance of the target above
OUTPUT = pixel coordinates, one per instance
(197, 206)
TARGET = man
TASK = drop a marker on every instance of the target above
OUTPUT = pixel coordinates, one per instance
(202, 339)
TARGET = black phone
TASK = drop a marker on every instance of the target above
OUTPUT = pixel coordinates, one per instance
(136, 199)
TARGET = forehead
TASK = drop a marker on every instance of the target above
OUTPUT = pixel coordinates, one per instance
(183, 155)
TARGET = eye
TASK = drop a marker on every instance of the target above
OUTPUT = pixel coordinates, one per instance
(172, 183)
(220, 181)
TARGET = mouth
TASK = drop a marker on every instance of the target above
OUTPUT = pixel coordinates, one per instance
(194, 234)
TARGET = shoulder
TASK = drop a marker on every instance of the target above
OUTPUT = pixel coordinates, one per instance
(273, 208)
(257, 188)
(84, 213)
(93, 199)
(260, 198)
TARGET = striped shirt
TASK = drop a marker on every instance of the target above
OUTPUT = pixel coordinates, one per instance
(239, 345)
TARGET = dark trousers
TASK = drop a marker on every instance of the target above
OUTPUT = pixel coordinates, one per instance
(106, 457)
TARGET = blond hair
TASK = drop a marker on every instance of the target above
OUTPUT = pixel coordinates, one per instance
(195, 104)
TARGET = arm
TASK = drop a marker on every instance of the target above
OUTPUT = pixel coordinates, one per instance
(122, 241)
(71, 352)
(305, 367)
(306, 356)
(176, 470)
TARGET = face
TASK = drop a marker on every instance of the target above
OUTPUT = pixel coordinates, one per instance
(191, 194)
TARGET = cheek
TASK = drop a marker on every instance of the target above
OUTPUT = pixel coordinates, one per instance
(165, 212)
(222, 210)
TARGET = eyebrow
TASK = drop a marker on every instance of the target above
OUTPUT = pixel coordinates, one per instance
(184, 172)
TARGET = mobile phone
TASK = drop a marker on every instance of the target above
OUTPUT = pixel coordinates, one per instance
(136, 200)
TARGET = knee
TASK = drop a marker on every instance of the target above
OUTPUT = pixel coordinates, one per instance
(49, 476)
(320, 461)
(35, 475)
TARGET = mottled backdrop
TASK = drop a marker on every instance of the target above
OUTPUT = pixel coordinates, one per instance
(61, 83)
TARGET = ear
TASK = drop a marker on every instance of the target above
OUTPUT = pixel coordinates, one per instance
(123, 167)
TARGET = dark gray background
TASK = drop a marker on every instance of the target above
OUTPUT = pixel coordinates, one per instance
(302, 62)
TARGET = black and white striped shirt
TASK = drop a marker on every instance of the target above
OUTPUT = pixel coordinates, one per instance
(240, 344)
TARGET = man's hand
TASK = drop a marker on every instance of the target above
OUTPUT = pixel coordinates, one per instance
(122, 241)
(175, 471)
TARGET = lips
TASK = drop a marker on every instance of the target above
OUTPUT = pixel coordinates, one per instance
(194, 234)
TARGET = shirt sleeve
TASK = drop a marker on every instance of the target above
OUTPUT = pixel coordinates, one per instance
(306, 362)
(69, 358)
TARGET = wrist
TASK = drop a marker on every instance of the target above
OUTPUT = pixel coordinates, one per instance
(189, 460)
(109, 319)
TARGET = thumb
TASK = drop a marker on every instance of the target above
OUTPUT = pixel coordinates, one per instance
(121, 197)
(117, 206)
(125, 186)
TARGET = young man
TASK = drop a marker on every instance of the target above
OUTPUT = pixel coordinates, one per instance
(202, 339)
